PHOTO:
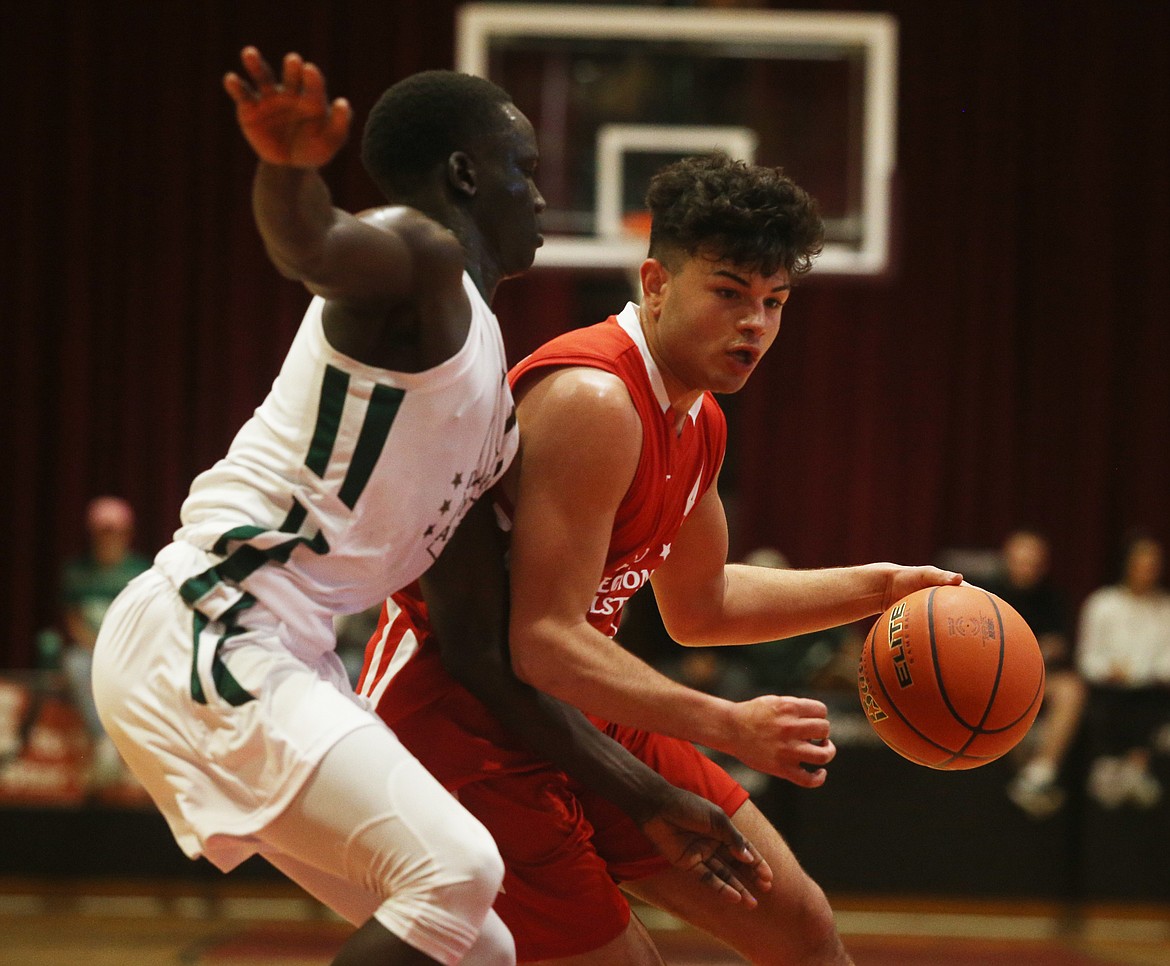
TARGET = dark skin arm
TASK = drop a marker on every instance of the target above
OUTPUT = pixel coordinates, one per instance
(466, 592)
(381, 274)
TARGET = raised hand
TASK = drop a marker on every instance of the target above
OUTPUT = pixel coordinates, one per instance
(288, 123)
(781, 735)
(698, 837)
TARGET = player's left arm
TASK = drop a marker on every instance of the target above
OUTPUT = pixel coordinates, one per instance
(705, 600)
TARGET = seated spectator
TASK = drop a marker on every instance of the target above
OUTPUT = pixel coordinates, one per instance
(1024, 582)
(89, 584)
(1124, 653)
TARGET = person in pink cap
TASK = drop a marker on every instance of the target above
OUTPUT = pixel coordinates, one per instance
(89, 583)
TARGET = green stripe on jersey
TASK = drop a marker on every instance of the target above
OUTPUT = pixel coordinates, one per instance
(226, 686)
(380, 416)
(247, 558)
(200, 622)
(334, 386)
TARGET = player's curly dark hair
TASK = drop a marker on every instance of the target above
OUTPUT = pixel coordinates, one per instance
(420, 121)
(750, 215)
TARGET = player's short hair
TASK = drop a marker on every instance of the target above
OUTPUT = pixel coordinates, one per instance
(750, 215)
(420, 121)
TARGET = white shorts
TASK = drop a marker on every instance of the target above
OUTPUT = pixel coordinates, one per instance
(222, 731)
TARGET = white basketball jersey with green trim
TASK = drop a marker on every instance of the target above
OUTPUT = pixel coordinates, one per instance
(346, 483)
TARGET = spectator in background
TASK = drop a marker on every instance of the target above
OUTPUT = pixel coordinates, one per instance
(89, 583)
(1025, 583)
(1124, 653)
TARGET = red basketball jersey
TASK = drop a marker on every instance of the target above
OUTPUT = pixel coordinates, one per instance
(674, 471)
(402, 671)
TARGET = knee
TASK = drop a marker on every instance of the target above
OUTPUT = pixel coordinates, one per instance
(475, 867)
(820, 942)
(442, 903)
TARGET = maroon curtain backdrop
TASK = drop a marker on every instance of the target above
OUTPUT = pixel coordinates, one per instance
(1013, 367)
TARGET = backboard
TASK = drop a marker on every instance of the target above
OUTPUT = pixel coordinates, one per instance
(616, 91)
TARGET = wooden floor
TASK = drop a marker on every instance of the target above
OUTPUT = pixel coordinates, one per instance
(161, 924)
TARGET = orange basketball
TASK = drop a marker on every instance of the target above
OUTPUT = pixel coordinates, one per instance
(951, 677)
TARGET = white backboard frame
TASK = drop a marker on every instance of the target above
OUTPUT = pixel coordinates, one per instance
(614, 141)
(876, 34)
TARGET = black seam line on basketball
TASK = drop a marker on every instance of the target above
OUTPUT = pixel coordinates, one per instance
(974, 730)
(980, 729)
(892, 705)
(977, 728)
(939, 681)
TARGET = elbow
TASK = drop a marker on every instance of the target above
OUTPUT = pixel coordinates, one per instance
(524, 668)
(306, 265)
(689, 632)
(538, 667)
(548, 669)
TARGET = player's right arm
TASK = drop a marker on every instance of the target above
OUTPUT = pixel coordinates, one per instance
(467, 599)
(390, 267)
(580, 442)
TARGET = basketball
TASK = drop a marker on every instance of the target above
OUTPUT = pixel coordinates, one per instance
(951, 677)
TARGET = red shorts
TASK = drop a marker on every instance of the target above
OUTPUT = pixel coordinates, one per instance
(564, 847)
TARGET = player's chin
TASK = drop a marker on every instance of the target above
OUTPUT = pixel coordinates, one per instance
(515, 269)
(521, 261)
(727, 381)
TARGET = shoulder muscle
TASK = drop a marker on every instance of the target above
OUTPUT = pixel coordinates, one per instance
(580, 427)
(413, 313)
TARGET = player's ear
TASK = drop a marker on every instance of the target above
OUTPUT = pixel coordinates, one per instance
(654, 277)
(461, 174)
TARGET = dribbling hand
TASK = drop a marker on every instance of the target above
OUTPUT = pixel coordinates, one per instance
(288, 123)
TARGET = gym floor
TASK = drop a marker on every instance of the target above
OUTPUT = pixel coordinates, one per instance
(167, 924)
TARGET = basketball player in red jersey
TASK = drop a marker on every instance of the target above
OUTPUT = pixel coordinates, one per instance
(621, 444)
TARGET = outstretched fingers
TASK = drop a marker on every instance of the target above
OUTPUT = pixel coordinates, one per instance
(749, 858)
(311, 83)
(293, 74)
(340, 114)
(718, 872)
(257, 67)
(261, 78)
(700, 839)
(287, 120)
(732, 856)
(715, 875)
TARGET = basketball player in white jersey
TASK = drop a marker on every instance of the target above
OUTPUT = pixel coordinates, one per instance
(215, 672)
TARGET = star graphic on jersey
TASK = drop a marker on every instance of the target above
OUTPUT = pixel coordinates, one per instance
(665, 550)
(458, 479)
(429, 530)
(445, 507)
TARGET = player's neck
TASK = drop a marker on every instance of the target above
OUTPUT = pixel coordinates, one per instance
(680, 397)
